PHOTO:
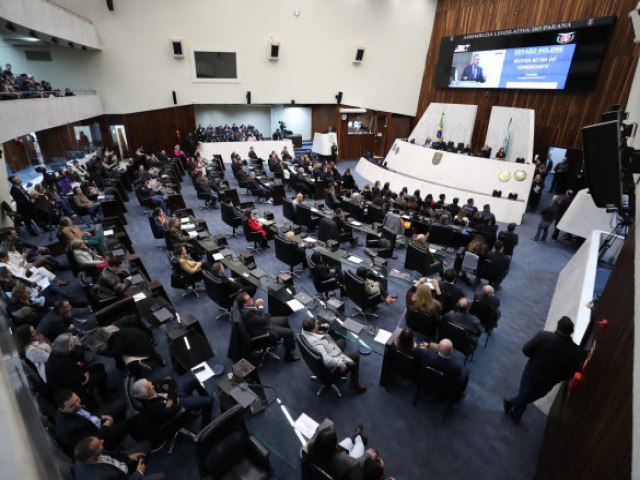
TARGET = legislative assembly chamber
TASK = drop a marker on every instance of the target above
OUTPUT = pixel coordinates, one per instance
(319, 240)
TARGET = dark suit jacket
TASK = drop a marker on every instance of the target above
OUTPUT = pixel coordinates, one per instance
(71, 428)
(155, 409)
(467, 321)
(22, 198)
(468, 72)
(454, 372)
(552, 358)
(53, 324)
(252, 154)
(102, 471)
(256, 321)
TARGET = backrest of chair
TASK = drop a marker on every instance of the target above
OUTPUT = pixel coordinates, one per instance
(217, 291)
(485, 313)
(416, 259)
(433, 381)
(229, 215)
(458, 336)
(405, 365)
(223, 443)
(157, 233)
(313, 359)
(288, 211)
(354, 287)
(440, 234)
(389, 235)
(117, 310)
(132, 401)
(374, 213)
(286, 251)
(327, 230)
(304, 215)
(489, 270)
(422, 323)
(470, 262)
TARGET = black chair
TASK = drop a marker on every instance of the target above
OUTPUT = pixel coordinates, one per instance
(405, 366)
(288, 211)
(245, 346)
(375, 214)
(220, 293)
(376, 248)
(422, 323)
(458, 337)
(159, 433)
(158, 233)
(255, 237)
(487, 315)
(182, 280)
(329, 201)
(226, 449)
(18, 219)
(306, 218)
(94, 300)
(355, 210)
(323, 287)
(328, 378)
(441, 234)
(489, 271)
(230, 216)
(116, 311)
(288, 252)
(258, 194)
(328, 230)
(417, 259)
(442, 388)
(355, 290)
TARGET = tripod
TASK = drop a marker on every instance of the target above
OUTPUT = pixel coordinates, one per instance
(620, 230)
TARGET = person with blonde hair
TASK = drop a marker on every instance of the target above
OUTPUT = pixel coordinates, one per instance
(423, 300)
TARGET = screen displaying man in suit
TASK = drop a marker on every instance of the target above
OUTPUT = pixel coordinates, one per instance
(473, 72)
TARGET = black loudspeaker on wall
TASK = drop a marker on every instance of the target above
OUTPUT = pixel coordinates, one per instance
(339, 98)
(359, 54)
(177, 47)
(110, 5)
(602, 163)
(274, 51)
(248, 98)
(175, 98)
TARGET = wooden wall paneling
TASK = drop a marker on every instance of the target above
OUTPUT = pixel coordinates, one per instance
(400, 126)
(559, 115)
(588, 433)
(15, 155)
(57, 144)
(157, 129)
(323, 117)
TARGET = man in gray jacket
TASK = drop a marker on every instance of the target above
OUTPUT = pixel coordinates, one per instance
(332, 351)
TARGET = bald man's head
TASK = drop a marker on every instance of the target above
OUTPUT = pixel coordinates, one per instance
(487, 290)
(445, 347)
(463, 304)
(421, 238)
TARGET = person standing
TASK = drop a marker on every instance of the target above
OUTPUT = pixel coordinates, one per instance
(547, 216)
(553, 357)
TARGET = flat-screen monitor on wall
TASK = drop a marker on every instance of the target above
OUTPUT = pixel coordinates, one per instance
(212, 65)
(561, 56)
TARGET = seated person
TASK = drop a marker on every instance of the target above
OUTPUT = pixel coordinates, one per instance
(74, 422)
(217, 269)
(297, 200)
(461, 317)
(177, 236)
(469, 208)
(92, 462)
(328, 272)
(19, 267)
(62, 319)
(81, 201)
(252, 154)
(331, 200)
(286, 156)
(420, 242)
(241, 175)
(66, 368)
(450, 293)
(509, 238)
(110, 284)
(372, 285)
(160, 220)
(146, 193)
(204, 186)
(162, 400)
(85, 256)
(188, 265)
(22, 309)
(348, 182)
(258, 322)
(124, 340)
(437, 356)
(301, 183)
(345, 232)
(255, 226)
(72, 232)
(487, 296)
(34, 347)
(37, 255)
(422, 298)
(333, 351)
(299, 247)
(460, 220)
(256, 186)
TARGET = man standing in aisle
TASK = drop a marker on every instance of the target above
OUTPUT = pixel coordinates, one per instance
(553, 357)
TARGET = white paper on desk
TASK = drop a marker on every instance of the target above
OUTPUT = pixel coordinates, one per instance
(43, 283)
(218, 256)
(188, 226)
(108, 233)
(295, 305)
(192, 234)
(139, 296)
(309, 240)
(382, 336)
(353, 222)
(306, 425)
(203, 375)
(354, 259)
(185, 220)
(315, 210)
(100, 197)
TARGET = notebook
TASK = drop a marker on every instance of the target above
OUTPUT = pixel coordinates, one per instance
(352, 325)
(162, 315)
(258, 272)
(136, 279)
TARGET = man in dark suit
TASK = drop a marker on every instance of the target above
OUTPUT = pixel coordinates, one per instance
(501, 262)
(553, 357)
(256, 186)
(252, 154)
(258, 322)
(326, 272)
(232, 285)
(470, 323)
(473, 72)
(94, 463)
(330, 198)
(487, 296)
(509, 238)
(456, 375)
(450, 292)
(344, 230)
(74, 422)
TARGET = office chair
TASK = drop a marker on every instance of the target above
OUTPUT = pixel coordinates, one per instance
(158, 233)
(219, 293)
(255, 237)
(323, 287)
(470, 264)
(288, 253)
(458, 337)
(243, 345)
(182, 280)
(288, 210)
(328, 378)
(226, 449)
(355, 290)
(441, 234)
(230, 217)
(422, 323)
(306, 218)
(382, 247)
(487, 315)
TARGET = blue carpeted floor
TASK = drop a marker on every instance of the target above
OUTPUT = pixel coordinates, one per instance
(477, 442)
